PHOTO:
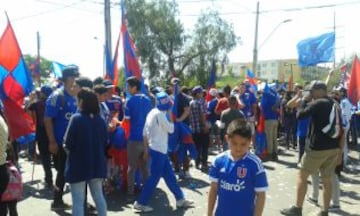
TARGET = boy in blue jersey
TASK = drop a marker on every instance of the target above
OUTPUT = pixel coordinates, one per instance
(238, 179)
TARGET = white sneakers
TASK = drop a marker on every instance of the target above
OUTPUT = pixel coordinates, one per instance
(183, 203)
(142, 208)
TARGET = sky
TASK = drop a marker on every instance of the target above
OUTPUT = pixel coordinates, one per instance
(72, 31)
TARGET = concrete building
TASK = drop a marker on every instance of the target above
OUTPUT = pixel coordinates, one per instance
(270, 70)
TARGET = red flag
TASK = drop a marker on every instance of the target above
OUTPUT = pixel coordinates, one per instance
(354, 83)
(15, 84)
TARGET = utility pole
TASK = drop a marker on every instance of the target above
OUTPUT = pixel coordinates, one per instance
(107, 17)
(37, 65)
(335, 39)
(255, 52)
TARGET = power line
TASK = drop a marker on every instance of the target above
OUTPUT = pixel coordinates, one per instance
(63, 6)
(115, 5)
(280, 9)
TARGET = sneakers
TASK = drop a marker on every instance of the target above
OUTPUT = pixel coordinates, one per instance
(292, 211)
(183, 203)
(334, 207)
(274, 157)
(142, 208)
(187, 175)
(184, 175)
(60, 206)
(312, 201)
(323, 213)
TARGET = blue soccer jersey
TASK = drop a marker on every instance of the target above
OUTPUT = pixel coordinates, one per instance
(60, 106)
(136, 110)
(115, 104)
(238, 182)
(248, 99)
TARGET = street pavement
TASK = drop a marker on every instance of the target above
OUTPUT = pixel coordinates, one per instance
(281, 176)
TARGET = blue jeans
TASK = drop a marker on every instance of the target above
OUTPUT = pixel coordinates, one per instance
(160, 167)
(78, 196)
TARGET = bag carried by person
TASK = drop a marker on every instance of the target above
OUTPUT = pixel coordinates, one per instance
(14, 189)
(334, 128)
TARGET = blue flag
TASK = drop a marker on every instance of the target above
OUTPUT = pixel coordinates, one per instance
(57, 69)
(316, 50)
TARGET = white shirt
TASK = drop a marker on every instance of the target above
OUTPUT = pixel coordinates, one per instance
(156, 130)
(346, 107)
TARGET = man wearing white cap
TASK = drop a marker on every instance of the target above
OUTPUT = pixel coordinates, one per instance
(157, 127)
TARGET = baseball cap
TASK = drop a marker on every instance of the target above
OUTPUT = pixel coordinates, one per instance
(163, 101)
(70, 71)
(100, 89)
(108, 84)
(317, 85)
(197, 89)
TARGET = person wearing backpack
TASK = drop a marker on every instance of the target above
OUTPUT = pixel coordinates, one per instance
(60, 106)
(323, 148)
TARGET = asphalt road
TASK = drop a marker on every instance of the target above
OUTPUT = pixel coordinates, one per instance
(281, 176)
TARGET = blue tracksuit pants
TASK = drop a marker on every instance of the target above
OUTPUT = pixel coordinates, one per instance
(160, 167)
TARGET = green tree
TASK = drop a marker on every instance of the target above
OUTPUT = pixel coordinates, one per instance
(212, 38)
(158, 35)
(164, 47)
(45, 66)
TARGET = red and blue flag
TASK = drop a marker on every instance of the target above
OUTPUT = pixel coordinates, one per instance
(260, 137)
(212, 81)
(35, 68)
(250, 76)
(131, 63)
(181, 140)
(112, 64)
(15, 84)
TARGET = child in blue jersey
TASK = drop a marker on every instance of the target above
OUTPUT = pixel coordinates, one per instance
(238, 178)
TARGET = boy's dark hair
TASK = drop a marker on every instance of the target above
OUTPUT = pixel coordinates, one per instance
(90, 103)
(239, 127)
(134, 82)
(98, 81)
(227, 89)
(233, 100)
(118, 90)
(84, 82)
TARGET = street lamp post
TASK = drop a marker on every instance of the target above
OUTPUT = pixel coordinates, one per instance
(256, 49)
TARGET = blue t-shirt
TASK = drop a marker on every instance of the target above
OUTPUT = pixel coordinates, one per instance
(60, 106)
(136, 110)
(248, 99)
(270, 102)
(302, 127)
(238, 182)
(212, 116)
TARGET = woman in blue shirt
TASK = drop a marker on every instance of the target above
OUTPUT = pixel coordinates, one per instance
(85, 143)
